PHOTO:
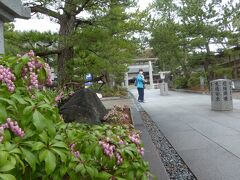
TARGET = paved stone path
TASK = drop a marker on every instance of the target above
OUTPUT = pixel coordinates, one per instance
(208, 141)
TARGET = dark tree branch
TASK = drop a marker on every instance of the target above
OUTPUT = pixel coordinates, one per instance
(80, 9)
(46, 11)
(79, 22)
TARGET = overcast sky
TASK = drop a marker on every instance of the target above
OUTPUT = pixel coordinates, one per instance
(46, 25)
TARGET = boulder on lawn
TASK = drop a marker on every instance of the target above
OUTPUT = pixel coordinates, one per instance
(84, 106)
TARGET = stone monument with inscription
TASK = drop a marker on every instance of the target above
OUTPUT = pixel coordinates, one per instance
(221, 95)
(10, 9)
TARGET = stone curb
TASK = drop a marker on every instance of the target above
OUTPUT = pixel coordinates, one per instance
(151, 155)
(113, 98)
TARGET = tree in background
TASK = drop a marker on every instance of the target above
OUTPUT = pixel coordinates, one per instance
(186, 30)
(87, 17)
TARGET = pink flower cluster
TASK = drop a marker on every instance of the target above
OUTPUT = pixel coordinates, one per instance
(49, 74)
(110, 150)
(31, 53)
(107, 148)
(135, 138)
(7, 77)
(141, 150)
(13, 126)
(59, 97)
(119, 158)
(32, 69)
(72, 149)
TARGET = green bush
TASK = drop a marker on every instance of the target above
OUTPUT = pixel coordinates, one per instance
(222, 72)
(180, 82)
(194, 80)
(35, 143)
(107, 91)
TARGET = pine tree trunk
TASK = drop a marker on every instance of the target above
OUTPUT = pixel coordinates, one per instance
(67, 24)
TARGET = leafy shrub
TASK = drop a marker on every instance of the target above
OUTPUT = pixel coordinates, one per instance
(107, 91)
(222, 72)
(180, 82)
(35, 143)
(194, 80)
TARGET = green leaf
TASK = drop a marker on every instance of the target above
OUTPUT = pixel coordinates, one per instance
(50, 162)
(19, 98)
(12, 103)
(79, 168)
(60, 152)
(45, 106)
(37, 146)
(42, 155)
(7, 177)
(39, 120)
(44, 137)
(3, 113)
(4, 157)
(30, 158)
(15, 151)
(63, 170)
(119, 178)
(129, 152)
(60, 145)
(9, 165)
(19, 160)
(104, 175)
(90, 171)
(28, 110)
(18, 68)
(144, 177)
(130, 175)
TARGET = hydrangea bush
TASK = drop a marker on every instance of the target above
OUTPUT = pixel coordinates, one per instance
(35, 143)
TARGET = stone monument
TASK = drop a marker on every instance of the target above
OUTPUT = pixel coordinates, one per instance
(221, 95)
(10, 9)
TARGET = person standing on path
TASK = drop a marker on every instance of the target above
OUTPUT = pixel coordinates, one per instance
(140, 85)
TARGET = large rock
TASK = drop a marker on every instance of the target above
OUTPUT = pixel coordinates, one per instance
(84, 107)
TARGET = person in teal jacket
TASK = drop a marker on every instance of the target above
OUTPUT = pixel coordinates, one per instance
(140, 85)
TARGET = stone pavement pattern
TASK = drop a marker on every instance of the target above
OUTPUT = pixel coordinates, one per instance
(208, 141)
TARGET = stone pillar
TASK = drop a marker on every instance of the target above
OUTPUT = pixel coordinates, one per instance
(1, 38)
(126, 80)
(221, 95)
(150, 74)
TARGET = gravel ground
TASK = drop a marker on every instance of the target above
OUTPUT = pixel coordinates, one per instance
(175, 166)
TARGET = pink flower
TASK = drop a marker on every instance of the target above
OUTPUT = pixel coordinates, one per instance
(7, 77)
(13, 126)
(72, 149)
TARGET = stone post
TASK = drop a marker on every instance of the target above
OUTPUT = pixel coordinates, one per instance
(126, 80)
(150, 74)
(1, 38)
